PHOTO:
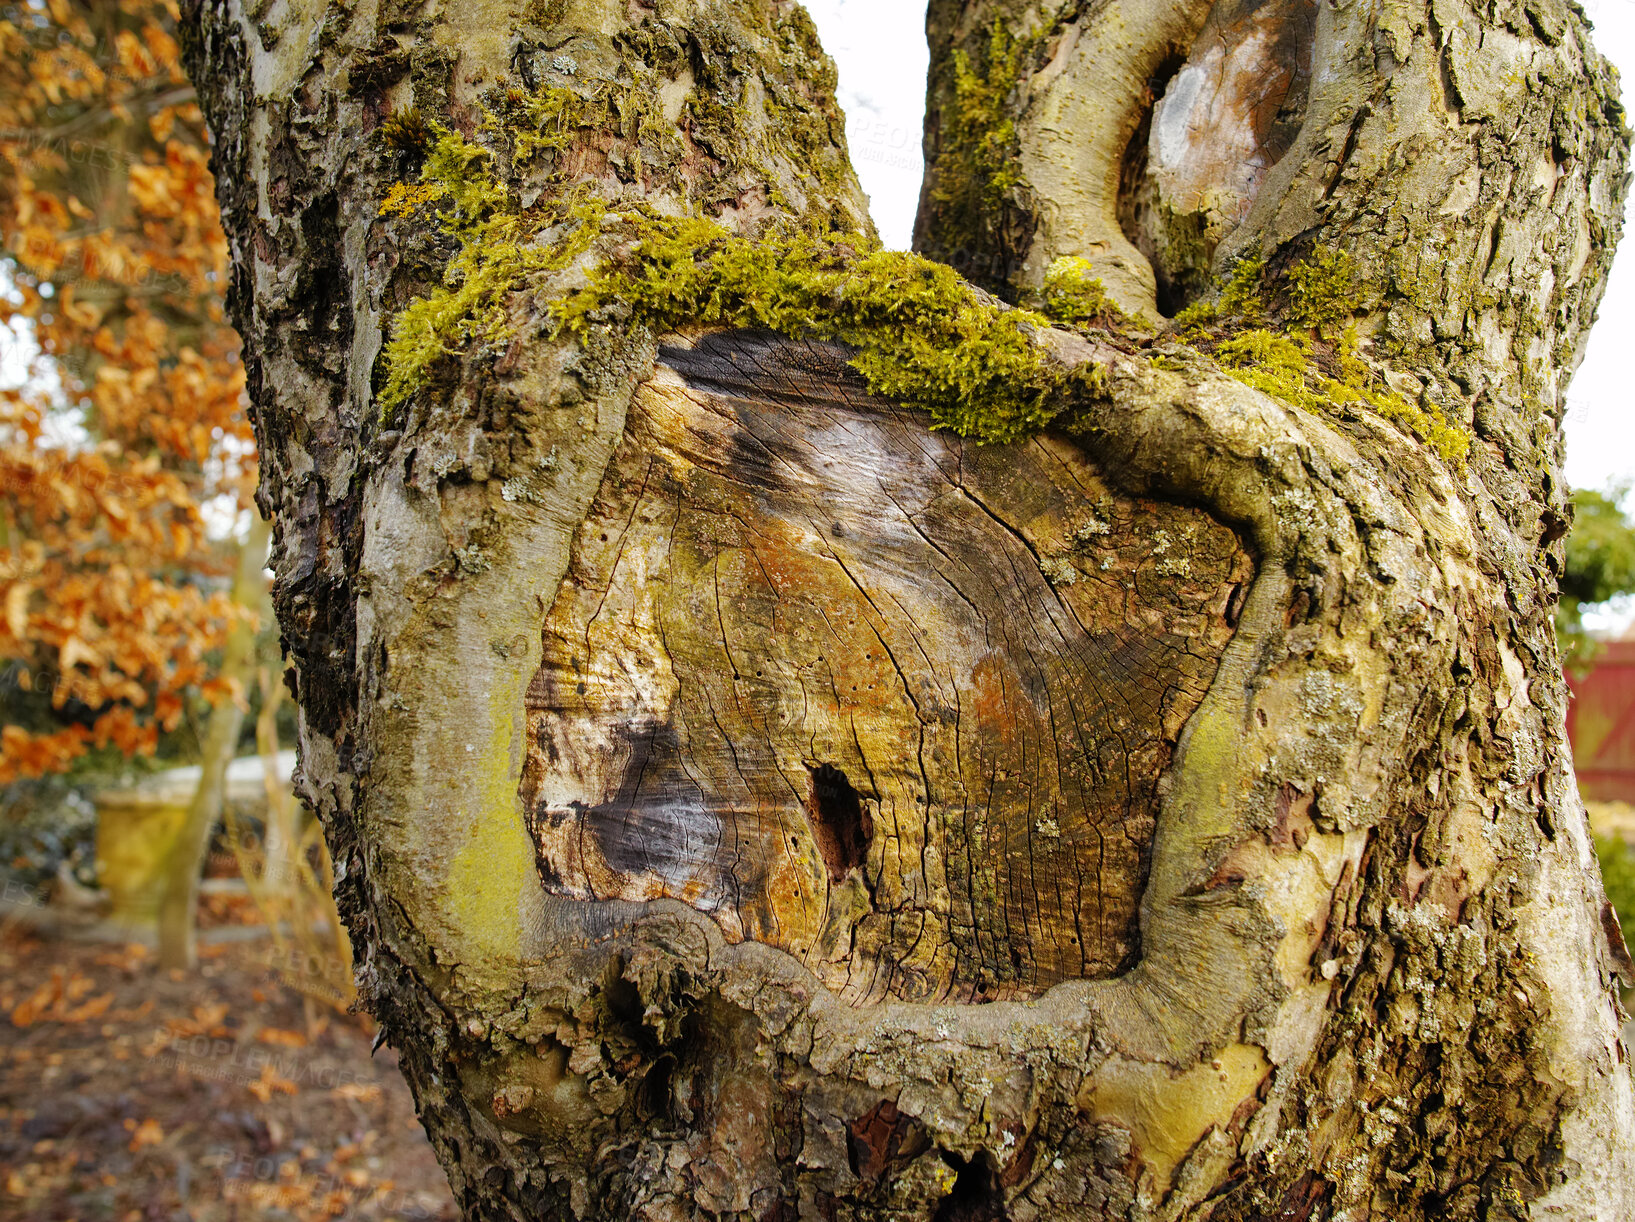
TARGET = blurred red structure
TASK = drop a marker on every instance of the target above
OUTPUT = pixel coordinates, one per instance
(1601, 724)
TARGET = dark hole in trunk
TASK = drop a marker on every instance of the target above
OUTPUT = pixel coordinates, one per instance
(1263, 83)
(841, 827)
(653, 1097)
(976, 1195)
(1136, 195)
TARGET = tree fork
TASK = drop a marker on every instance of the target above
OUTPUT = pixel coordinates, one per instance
(1352, 960)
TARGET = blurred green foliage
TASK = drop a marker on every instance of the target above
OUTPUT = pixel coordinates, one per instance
(1600, 566)
(1618, 873)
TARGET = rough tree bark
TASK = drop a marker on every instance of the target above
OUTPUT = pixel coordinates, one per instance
(749, 802)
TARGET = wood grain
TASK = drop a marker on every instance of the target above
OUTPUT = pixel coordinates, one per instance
(891, 702)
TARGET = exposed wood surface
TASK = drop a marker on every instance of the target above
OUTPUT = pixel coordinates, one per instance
(894, 703)
(1227, 115)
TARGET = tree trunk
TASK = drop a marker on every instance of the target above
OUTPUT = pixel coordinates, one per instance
(179, 903)
(749, 801)
(281, 851)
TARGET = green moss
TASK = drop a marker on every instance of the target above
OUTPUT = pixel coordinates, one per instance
(1072, 295)
(496, 255)
(1280, 365)
(1287, 355)
(459, 168)
(1321, 290)
(1240, 295)
(1274, 364)
(540, 121)
(1193, 319)
(1319, 294)
(979, 164)
(468, 306)
(408, 131)
(979, 123)
(471, 305)
(1428, 423)
(812, 132)
(923, 336)
(1237, 304)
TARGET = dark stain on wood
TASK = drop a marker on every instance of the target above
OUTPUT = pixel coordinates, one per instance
(891, 702)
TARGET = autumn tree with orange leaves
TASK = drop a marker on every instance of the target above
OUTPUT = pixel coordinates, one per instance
(130, 427)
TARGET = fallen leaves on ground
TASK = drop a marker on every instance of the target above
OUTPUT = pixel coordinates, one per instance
(148, 1133)
(122, 1116)
(206, 1020)
(55, 1001)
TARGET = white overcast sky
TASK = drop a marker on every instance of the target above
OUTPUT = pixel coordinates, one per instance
(879, 46)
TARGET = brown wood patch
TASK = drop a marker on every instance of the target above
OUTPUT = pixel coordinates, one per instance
(895, 703)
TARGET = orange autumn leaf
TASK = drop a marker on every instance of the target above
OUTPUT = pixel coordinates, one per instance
(95, 1008)
(148, 1133)
(280, 1038)
(59, 999)
(206, 1020)
(26, 1012)
(268, 1083)
(113, 602)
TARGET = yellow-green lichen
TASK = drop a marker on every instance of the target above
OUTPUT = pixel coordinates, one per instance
(489, 872)
(405, 197)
